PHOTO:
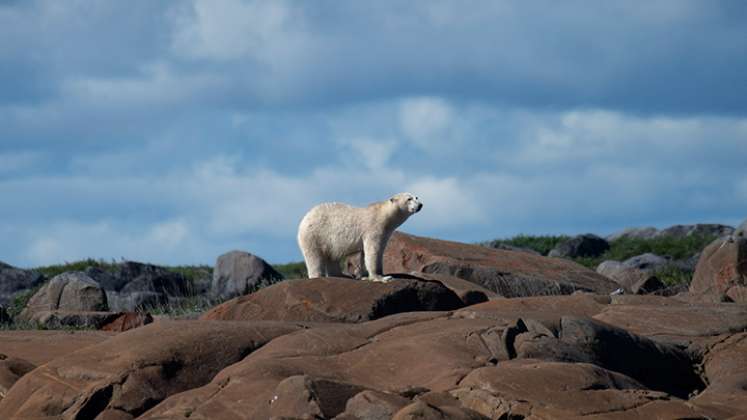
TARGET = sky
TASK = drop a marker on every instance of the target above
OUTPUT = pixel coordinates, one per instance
(173, 132)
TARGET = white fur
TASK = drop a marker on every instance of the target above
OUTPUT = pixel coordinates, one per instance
(330, 232)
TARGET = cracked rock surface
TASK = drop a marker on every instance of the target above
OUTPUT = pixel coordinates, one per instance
(425, 346)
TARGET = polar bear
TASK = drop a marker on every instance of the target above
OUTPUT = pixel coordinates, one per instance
(330, 232)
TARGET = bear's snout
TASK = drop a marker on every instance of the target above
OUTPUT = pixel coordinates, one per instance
(420, 206)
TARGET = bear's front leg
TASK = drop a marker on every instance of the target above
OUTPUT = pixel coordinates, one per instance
(373, 256)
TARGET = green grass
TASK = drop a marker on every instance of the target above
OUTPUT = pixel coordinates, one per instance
(50, 271)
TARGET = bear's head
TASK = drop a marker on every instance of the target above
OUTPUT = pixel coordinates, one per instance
(407, 203)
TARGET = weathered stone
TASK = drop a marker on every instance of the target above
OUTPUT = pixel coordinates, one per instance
(132, 286)
(41, 346)
(636, 275)
(14, 281)
(587, 245)
(374, 405)
(135, 370)
(507, 273)
(238, 273)
(127, 321)
(304, 396)
(11, 369)
(722, 266)
(337, 300)
(67, 292)
(527, 388)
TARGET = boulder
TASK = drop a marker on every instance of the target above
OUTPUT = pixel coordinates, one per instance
(673, 320)
(374, 405)
(633, 233)
(126, 321)
(470, 293)
(678, 231)
(303, 395)
(132, 286)
(337, 300)
(721, 268)
(507, 273)
(637, 274)
(526, 388)
(681, 231)
(498, 244)
(14, 281)
(725, 368)
(124, 376)
(587, 245)
(67, 292)
(238, 273)
(11, 369)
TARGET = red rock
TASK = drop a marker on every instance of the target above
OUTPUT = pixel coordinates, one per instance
(508, 273)
(39, 346)
(11, 369)
(722, 267)
(336, 300)
(134, 370)
(127, 321)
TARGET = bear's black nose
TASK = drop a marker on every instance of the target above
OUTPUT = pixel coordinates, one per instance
(420, 206)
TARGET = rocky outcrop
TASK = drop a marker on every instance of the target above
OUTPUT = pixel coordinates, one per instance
(587, 245)
(14, 281)
(67, 292)
(507, 273)
(636, 275)
(11, 369)
(132, 286)
(238, 273)
(721, 272)
(126, 375)
(677, 231)
(337, 300)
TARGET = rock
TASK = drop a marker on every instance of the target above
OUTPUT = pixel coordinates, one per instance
(126, 321)
(389, 354)
(302, 396)
(538, 389)
(131, 372)
(79, 319)
(676, 321)
(238, 273)
(681, 231)
(374, 405)
(11, 369)
(132, 286)
(498, 244)
(637, 274)
(633, 233)
(722, 266)
(507, 273)
(741, 230)
(725, 367)
(14, 281)
(336, 300)
(41, 346)
(439, 409)
(677, 231)
(587, 245)
(67, 292)
(469, 293)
